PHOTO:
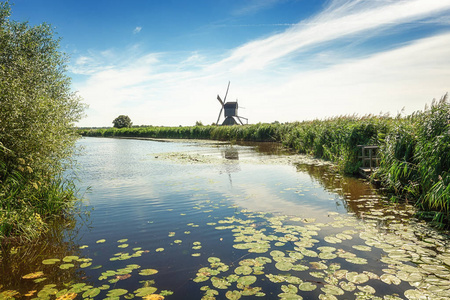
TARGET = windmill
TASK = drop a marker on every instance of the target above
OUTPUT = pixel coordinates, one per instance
(231, 109)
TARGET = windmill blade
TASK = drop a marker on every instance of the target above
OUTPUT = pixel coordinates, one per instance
(220, 100)
(218, 118)
(240, 120)
(225, 98)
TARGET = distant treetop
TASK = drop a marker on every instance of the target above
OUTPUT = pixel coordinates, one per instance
(122, 121)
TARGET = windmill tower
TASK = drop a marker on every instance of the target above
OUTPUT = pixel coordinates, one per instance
(231, 111)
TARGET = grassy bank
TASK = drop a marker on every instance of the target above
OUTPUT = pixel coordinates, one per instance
(414, 149)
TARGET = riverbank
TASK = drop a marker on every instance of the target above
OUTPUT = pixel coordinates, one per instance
(414, 150)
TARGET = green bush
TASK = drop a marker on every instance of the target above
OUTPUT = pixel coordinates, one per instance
(37, 135)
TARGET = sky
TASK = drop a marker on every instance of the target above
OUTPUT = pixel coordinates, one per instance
(163, 62)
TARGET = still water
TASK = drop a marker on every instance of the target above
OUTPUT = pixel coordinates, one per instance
(193, 220)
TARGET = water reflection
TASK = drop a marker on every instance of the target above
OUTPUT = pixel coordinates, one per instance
(18, 260)
(359, 196)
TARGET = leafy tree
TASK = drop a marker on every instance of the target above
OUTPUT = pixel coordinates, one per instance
(122, 121)
(38, 110)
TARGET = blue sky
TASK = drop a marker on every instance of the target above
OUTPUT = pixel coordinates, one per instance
(164, 62)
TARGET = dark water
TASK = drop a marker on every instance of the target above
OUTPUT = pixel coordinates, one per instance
(179, 207)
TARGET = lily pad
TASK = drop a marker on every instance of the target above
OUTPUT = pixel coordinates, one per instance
(50, 261)
(390, 279)
(91, 293)
(307, 286)
(284, 266)
(33, 275)
(243, 270)
(144, 291)
(68, 296)
(357, 278)
(66, 266)
(233, 295)
(247, 280)
(147, 272)
(332, 290)
(116, 292)
(219, 283)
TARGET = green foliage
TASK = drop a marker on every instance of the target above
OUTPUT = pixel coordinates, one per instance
(416, 158)
(38, 112)
(122, 121)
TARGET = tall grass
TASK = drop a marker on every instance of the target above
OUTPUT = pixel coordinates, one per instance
(414, 150)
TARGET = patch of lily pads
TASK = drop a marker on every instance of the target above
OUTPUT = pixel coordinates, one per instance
(107, 283)
(293, 255)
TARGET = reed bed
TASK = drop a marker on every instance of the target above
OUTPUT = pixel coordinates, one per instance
(414, 150)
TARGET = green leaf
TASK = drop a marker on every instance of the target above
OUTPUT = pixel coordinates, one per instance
(147, 272)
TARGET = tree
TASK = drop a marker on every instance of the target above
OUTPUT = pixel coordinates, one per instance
(38, 110)
(122, 121)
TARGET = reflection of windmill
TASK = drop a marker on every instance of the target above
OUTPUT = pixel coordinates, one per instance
(231, 110)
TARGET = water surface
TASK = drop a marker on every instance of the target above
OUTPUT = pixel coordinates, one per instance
(203, 219)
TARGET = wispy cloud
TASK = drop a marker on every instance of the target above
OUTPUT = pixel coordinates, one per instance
(137, 30)
(254, 6)
(340, 20)
(276, 78)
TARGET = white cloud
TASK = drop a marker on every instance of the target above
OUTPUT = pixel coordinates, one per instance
(270, 77)
(137, 30)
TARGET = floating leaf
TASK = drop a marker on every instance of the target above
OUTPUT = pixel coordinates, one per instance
(123, 246)
(247, 280)
(317, 274)
(357, 278)
(219, 283)
(290, 289)
(91, 293)
(200, 278)
(116, 292)
(66, 266)
(195, 254)
(307, 287)
(50, 261)
(357, 260)
(347, 286)
(332, 239)
(276, 253)
(70, 258)
(243, 270)
(233, 295)
(177, 241)
(213, 260)
(144, 291)
(68, 296)
(362, 247)
(153, 297)
(33, 275)
(367, 289)
(96, 267)
(122, 241)
(159, 249)
(288, 296)
(147, 272)
(327, 255)
(284, 266)
(100, 241)
(85, 265)
(332, 289)
(390, 279)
